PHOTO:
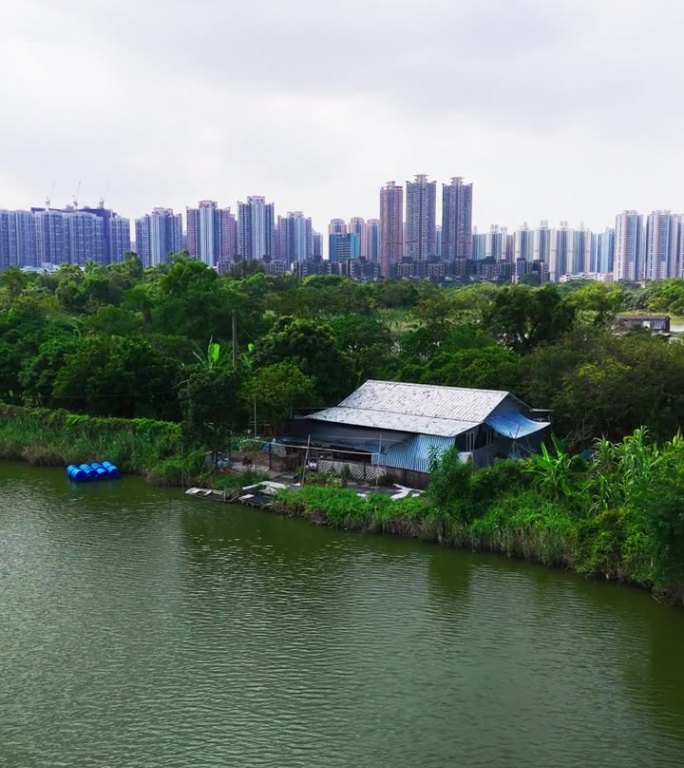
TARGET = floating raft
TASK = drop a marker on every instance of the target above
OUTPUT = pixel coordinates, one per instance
(82, 473)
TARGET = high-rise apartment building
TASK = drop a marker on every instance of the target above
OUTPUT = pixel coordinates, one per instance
(372, 238)
(662, 251)
(119, 238)
(495, 243)
(17, 239)
(523, 244)
(391, 226)
(211, 233)
(158, 235)
(420, 243)
(256, 229)
(579, 254)
(457, 220)
(357, 226)
(85, 238)
(479, 245)
(204, 238)
(543, 241)
(317, 245)
(629, 246)
(344, 246)
(117, 232)
(294, 238)
(337, 227)
(52, 236)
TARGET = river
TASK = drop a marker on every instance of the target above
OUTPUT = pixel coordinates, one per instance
(139, 628)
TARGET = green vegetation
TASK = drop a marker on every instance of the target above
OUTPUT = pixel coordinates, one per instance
(143, 446)
(617, 517)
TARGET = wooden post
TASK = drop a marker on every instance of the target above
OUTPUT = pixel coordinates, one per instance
(306, 459)
(234, 326)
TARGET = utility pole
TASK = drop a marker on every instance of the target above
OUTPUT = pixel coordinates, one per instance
(234, 321)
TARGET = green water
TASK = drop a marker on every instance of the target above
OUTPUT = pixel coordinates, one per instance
(140, 628)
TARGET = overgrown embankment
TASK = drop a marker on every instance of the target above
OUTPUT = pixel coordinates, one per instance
(56, 438)
(619, 517)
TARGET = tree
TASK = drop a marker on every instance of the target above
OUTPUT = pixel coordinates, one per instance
(490, 367)
(115, 376)
(522, 317)
(277, 389)
(14, 281)
(313, 348)
(211, 406)
(366, 340)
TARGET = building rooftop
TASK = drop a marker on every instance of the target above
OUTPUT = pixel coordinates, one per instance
(427, 409)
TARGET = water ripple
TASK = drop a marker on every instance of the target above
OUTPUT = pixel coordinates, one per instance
(141, 629)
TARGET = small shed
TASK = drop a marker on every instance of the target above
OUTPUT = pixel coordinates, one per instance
(400, 426)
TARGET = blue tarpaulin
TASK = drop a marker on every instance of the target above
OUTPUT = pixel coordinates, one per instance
(514, 425)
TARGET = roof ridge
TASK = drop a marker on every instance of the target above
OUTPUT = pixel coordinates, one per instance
(403, 413)
(430, 386)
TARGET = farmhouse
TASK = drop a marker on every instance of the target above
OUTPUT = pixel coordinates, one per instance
(398, 427)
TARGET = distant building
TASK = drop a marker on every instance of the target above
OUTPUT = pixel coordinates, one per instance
(317, 245)
(17, 239)
(420, 240)
(337, 227)
(629, 246)
(256, 229)
(628, 321)
(158, 235)
(372, 238)
(294, 237)
(357, 226)
(662, 251)
(391, 226)
(457, 220)
(523, 244)
(342, 247)
(52, 237)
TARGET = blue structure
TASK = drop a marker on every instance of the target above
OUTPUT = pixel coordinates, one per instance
(93, 471)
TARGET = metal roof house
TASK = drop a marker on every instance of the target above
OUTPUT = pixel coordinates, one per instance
(400, 426)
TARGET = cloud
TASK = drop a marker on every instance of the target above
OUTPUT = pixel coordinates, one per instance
(560, 109)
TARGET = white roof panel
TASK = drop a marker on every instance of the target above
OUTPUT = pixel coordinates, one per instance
(425, 400)
(397, 422)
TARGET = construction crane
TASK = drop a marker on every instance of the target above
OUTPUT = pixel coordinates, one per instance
(102, 199)
(48, 199)
(78, 190)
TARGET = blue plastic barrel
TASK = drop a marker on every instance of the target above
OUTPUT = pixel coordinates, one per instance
(95, 464)
(112, 469)
(76, 473)
(92, 473)
(101, 472)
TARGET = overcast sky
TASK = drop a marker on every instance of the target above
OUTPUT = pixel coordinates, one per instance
(554, 109)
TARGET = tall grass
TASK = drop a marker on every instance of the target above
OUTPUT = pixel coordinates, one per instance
(139, 446)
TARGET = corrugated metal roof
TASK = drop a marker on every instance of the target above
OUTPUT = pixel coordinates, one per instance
(426, 401)
(398, 422)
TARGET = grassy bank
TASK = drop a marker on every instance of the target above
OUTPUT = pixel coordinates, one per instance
(56, 438)
(617, 518)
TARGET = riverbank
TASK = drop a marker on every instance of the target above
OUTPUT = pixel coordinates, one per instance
(144, 447)
(504, 511)
(617, 518)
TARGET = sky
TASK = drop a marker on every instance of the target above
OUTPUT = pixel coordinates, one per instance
(555, 109)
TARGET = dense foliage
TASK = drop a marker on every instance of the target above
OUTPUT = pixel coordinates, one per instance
(126, 342)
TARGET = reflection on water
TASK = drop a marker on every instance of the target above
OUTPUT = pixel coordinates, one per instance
(143, 629)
